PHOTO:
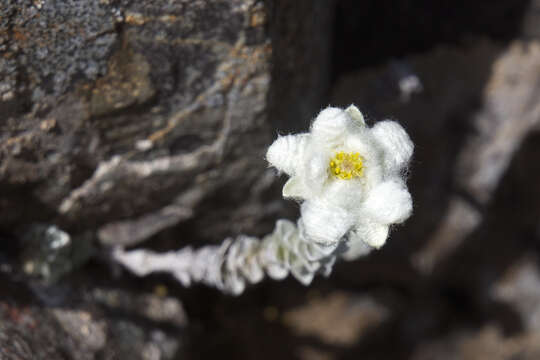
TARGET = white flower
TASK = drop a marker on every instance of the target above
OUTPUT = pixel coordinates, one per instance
(350, 178)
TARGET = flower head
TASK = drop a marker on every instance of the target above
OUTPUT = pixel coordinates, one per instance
(349, 177)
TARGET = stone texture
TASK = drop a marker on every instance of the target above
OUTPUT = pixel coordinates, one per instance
(104, 99)
(509, 113)
(97, 328)
(519, 287)
(153, 99)
(47, 45)
(486, 343)
(339, 318)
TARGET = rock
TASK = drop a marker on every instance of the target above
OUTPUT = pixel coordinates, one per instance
(89, 334)
(153, 98)
(89, 331)
(155, 307)
(519, 288)
(130, 341)
(28, 333)
(168, 101)
(459, 222)
(486, 343)
(509, 113)
(339, 318)
(47, 46)
(50, 253)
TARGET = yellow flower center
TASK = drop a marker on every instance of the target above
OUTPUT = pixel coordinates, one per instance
(346, 166)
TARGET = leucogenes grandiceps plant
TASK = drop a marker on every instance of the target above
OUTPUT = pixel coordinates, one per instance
(350, 181)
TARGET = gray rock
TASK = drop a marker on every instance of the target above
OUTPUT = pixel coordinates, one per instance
(122, 121)
(105, 99)
(485, 343)
(31, 332)
(50, 253)
(519, 287)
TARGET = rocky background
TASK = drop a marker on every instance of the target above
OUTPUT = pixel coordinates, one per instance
(145, 123)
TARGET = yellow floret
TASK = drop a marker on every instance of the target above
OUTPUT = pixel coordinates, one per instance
(346, 166)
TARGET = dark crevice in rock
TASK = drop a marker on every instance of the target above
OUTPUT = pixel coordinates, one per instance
(301, 55)
(370, 32)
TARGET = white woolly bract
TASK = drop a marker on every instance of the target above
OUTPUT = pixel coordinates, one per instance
(364, 206)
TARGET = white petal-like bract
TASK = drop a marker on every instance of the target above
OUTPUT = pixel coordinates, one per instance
(330, 125)
(396, 144)
(372, 233)
(325, 224)
(286, 152)
(388, 203)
